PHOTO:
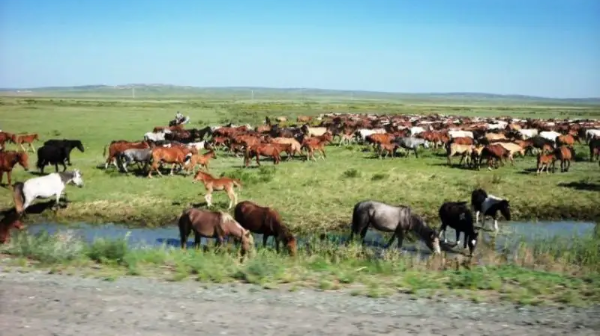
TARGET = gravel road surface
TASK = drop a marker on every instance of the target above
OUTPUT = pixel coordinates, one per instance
(39, 304)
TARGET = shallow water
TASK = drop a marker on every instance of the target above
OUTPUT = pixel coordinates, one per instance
(509, 236)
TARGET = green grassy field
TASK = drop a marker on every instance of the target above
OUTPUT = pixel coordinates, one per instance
(313, 197)
(310, 195)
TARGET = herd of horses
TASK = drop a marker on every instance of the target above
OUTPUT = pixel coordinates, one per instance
(474, 139)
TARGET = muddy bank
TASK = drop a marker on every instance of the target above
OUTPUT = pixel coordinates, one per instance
(39, 304)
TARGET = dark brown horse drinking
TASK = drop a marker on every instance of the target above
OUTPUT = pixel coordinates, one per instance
(212, 224)
(8, 160)
(11, 220)
(265, 221)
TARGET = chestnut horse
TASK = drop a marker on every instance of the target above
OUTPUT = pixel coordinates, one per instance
(119, 146)
(212, 224)
(265, 221)
(565, 155)
(218, 184)
(11, 220)
(6, 137)
(173, 155)
(545, 161)
(8, 160)
(20, 139)
(269, 150)
(493, 153)
(202, 160)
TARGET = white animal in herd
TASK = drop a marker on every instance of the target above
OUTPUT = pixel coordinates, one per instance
(43, 187)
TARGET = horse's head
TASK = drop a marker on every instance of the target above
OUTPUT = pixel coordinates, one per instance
(505, 209)
(200, 176)
(434, 242)
(247, 241)
(22, 159)
(77, 179)
(79, 146)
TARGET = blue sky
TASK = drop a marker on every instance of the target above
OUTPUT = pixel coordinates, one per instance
(547, 48)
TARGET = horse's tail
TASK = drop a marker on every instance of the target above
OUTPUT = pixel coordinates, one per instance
(19, 197)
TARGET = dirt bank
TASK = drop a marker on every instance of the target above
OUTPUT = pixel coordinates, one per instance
(41, 304)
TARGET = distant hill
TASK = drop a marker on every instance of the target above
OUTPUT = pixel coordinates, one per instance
(261, 93)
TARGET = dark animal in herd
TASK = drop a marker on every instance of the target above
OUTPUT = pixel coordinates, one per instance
(8, 160)
(68, 144)
(389, 218)
(11, 220)
(212, 224)
(265, 221)
(489, 205)
(458, 216)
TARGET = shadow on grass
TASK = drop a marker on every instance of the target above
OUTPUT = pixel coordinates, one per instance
(453, 166)
(581, 185)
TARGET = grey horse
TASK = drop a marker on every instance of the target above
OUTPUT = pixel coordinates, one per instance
(411, 143)
(136, 155)
(389, 218)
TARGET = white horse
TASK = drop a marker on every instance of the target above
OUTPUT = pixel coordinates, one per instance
(44, 187)
(158, 136)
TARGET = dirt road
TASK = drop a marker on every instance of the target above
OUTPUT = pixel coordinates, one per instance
(38, 304)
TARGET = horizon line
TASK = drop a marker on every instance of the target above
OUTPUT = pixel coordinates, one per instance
(297, 88)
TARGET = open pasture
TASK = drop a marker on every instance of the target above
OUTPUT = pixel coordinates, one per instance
(313, 195)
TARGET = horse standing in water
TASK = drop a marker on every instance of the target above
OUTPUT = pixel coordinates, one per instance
(265, 221)
(458, 216)
(489, 205)
(212, 224)
(43, 187)
(388, 218)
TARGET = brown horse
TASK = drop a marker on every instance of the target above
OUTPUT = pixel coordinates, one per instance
(8, 160)
(545, 161)
(314, 144)
(565, 155)
(218, 184)
(212, 224)
(119, 146)
(26, 139)
(384, 149)
(265, 221)
(11, 220)
(6, 137)
(268, 150)
(493, 153)
(177, 155)
(202, 160)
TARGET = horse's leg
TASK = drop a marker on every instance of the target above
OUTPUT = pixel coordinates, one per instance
(1, 176)
(391, 240)
(56, 167)
(265, 238)
(276, 244)
(8, 173)
(172, 168)
(443, 230)
(458, 237)
(416, 155)
(232, 197)
(64, 166)
(363, 233)
(197, 240)
(32, 147)
(495, 223)
(400, 234)
(323, 151)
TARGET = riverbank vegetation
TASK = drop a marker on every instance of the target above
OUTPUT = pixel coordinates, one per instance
(311, 196)
(551, 272)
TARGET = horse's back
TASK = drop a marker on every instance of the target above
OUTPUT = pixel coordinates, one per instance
(380, 215)
(251, 216)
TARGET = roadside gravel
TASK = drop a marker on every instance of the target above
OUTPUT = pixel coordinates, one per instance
(40, 304)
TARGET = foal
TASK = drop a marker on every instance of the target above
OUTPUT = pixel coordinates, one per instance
(218, 184)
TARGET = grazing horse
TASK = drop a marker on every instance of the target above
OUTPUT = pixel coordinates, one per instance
(68, 144)
(8, 160)
(489, 205)
(493, 153)
(458, 216)
(411, 143)
(218, 184)
(212, 224)
(21, 139)
(43, 187)
(565, 155)
(265, 221)
(545, 161)
(11, 220)
(388, 218)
